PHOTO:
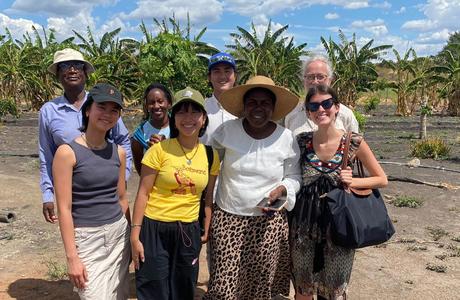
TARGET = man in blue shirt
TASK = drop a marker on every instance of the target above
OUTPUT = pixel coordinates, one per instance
(60, 119)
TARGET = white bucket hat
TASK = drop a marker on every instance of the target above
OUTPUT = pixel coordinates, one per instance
(69, 54)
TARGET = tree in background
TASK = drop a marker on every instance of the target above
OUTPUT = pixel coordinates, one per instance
(354, 68)
(275, 56)
(173, 57)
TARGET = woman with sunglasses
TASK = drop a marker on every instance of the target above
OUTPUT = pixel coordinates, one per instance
(318, 266)
(155, 125)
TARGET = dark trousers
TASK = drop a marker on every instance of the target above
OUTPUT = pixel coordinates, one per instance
(170, 270)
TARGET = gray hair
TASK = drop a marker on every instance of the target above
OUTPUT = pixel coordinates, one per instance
(318, 57)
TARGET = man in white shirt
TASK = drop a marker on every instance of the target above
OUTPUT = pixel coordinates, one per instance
(318, 70)
(222, 77)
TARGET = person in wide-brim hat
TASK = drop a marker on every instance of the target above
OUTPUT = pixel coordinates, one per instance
(69, 54)
(232, 100)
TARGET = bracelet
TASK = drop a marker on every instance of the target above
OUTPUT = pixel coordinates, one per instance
(136, 225)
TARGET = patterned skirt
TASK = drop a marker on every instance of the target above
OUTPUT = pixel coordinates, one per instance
(250, 256)
(332, 280)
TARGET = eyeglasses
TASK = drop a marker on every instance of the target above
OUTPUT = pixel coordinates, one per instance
(312, 77)
(326, 104)
(65, 66)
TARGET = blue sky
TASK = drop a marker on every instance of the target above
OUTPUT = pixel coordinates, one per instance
(424, 25)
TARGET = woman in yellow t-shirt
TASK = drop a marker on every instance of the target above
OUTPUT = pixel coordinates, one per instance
(165, 235)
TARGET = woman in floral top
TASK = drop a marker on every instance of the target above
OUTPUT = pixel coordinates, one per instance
(318, 266)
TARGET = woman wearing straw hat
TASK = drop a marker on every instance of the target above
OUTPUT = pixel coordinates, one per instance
(250, 257)
(89, 178)
(60, 119)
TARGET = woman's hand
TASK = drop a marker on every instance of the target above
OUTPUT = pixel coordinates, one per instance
(137, 252)
(204, 238)
(155, 138)
(346, 175)
(276, 193)
(77, 272)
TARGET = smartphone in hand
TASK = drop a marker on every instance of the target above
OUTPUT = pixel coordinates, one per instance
(276, 205)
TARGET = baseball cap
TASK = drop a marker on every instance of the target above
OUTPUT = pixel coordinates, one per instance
(221, 57)
(104, 92)
(189, 94)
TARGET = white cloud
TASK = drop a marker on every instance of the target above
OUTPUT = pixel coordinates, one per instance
(331, 16)
(199, 11)
(17, 27)
(429, 37)
(420, 25)
(383, 5)
(57, 7)
(79, 23)
(376, 27)
(401, 10)
(356, 4)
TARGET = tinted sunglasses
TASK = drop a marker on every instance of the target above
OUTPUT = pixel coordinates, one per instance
(65, 66)
(221, 58)
(326, 104)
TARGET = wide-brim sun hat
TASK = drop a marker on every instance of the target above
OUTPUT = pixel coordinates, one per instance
(232, 99)
(69, 54)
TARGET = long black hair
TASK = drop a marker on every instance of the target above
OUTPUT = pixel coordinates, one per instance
(173, 131)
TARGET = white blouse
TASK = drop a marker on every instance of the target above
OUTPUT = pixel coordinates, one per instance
(252, 168)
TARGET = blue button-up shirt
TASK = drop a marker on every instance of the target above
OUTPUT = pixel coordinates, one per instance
(59, 123)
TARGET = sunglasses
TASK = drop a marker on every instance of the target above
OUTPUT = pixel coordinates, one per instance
(326, 104)
(65, 66)
(312, 77)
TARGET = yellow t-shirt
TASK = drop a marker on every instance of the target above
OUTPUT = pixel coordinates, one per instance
(176, 193)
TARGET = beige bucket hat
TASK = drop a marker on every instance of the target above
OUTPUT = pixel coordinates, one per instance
(69, 54)
(232, 99)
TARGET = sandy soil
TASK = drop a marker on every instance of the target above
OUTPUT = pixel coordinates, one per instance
(395, 270)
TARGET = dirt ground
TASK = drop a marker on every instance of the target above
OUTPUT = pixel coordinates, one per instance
(426, 238)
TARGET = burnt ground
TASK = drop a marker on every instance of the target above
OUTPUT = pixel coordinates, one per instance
(426, 237)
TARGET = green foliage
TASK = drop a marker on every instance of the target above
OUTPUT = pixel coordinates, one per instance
(371, 104)
(407, 201)
(361, 120)
(275, 56)
(435, 148)
(354, 67)
(8, 106)
(56, 270)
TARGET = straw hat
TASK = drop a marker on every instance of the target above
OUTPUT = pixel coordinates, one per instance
(232, 99)
(69, 54)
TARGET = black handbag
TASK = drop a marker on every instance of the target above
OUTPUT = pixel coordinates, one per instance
(359, 218)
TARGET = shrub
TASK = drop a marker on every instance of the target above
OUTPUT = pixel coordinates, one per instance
(56, 270)
(8, 106)
(361, 120)
(434, 148)
(371, 104)
(407, 201)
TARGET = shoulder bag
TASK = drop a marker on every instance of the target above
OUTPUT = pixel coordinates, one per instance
(359, 217)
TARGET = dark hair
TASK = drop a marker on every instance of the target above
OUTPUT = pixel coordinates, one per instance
(321, 89)
(85, 118)
(173, 131)
(161, 87)
(259, 89)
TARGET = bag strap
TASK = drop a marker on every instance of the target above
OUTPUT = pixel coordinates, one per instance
(346, 150)
(210, 157)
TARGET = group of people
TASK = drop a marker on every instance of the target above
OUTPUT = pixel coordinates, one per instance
(221, 155)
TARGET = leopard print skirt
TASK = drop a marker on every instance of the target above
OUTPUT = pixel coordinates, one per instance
(250, 257)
